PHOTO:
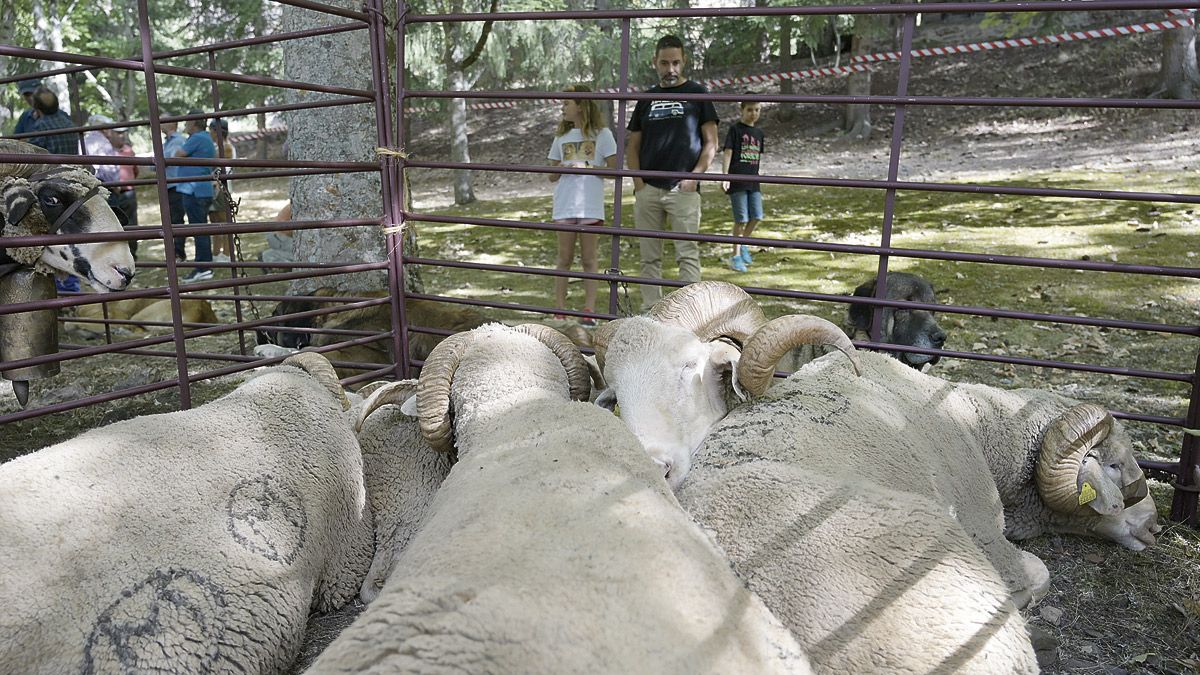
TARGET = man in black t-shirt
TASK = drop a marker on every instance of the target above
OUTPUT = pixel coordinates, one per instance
(670, 136)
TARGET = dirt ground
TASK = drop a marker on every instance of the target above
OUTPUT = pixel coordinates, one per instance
(1109, 610)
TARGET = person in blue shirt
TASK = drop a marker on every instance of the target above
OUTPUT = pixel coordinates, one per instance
(25, 121)
(198, 194)
(172, 143)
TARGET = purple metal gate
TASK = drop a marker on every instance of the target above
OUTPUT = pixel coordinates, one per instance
(390, 112)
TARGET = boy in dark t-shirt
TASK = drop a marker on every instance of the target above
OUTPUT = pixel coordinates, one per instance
(670, 135)
(742, 152)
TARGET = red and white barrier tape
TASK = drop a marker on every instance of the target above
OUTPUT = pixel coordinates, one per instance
(857, 64)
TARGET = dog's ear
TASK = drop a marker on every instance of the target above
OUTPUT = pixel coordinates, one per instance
(859, 316)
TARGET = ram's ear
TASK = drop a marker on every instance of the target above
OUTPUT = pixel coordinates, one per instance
(1097, 491)
(607, 399)
(18, 201)
(725, 358)
(409, 407)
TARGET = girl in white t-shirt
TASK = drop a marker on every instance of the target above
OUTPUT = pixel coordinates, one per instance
(582, 140)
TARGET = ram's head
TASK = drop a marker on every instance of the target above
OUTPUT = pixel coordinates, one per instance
(52, 199)
(678, 371)
(1087, 475)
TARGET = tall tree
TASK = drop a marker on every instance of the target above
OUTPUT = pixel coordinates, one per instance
(458, 63)
(1178, 76)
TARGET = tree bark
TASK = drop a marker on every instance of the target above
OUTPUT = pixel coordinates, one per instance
(785, 55)
(1178, 76)
(856, 124)
(342, 133)
(48, 22)
(460, 150)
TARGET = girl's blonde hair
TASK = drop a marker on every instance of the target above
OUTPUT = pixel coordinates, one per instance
(591, 120)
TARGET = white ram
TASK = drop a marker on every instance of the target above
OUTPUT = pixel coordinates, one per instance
(914, 474)
(194, 541)
(552, 546)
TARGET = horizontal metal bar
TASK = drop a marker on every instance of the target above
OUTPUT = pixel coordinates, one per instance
(214, 47)
(126, 64)
(916, 186)
(906, 8)
(987, 258)
(180, 230)
(828, 99)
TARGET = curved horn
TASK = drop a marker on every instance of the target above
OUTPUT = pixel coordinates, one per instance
(601, 336)
(768, 344)
(433, 390)
(322, 371)
(578, 377)
(1066, 441)
(711, 309)
(394, 393)
(8, 146)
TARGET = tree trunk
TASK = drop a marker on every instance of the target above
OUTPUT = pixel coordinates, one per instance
(1178, 76)
(260, 146)
(460, 151)
(47, 29)
(343, 133)
(856, 124)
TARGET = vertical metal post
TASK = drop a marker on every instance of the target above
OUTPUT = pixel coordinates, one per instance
(395, 243)
(889, 203)
(393, 213)
(1183, 504)
(623, 87)
(164, 212)
(227, 212)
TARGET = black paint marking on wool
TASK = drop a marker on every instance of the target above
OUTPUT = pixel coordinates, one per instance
(268, 518)
(173, 619)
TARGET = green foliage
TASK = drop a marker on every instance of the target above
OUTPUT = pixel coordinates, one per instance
(110, 28)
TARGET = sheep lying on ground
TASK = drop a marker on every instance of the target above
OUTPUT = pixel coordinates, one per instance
(919, 476)
(910, 327)
(51, 199)
(194, 541)
(552, 546)
(195, 310)
(403, 473)
(426, 313)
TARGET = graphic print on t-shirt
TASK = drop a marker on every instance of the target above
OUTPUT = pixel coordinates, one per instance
(751, 149)
(660, 110)
(578, 153)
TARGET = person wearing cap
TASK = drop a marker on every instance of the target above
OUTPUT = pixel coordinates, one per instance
(25, 121)
(197, 194)
(49, 118)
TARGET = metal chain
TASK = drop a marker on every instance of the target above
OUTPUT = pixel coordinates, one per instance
(234, 205)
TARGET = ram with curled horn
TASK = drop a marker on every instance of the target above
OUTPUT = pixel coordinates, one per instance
(701, 349)
(40, 199)
(825, 469)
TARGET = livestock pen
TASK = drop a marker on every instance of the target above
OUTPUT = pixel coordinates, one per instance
(460, 256)
(392, 101)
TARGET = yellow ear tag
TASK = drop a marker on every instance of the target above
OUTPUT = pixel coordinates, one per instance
(1086, 494)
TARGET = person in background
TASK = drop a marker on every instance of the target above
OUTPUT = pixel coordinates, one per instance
(581, 140)
(197, 194)
(666, 135)
(124, 198)
(219, 210)
(49, 118)
(743, 149)
(25, 122)
(172, 142)
(98, 143)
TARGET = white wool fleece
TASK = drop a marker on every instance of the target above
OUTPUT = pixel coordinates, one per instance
(193, 541)
(554, 546)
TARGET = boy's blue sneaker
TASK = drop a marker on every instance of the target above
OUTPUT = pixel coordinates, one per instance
(745, 255)
(736, 264)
